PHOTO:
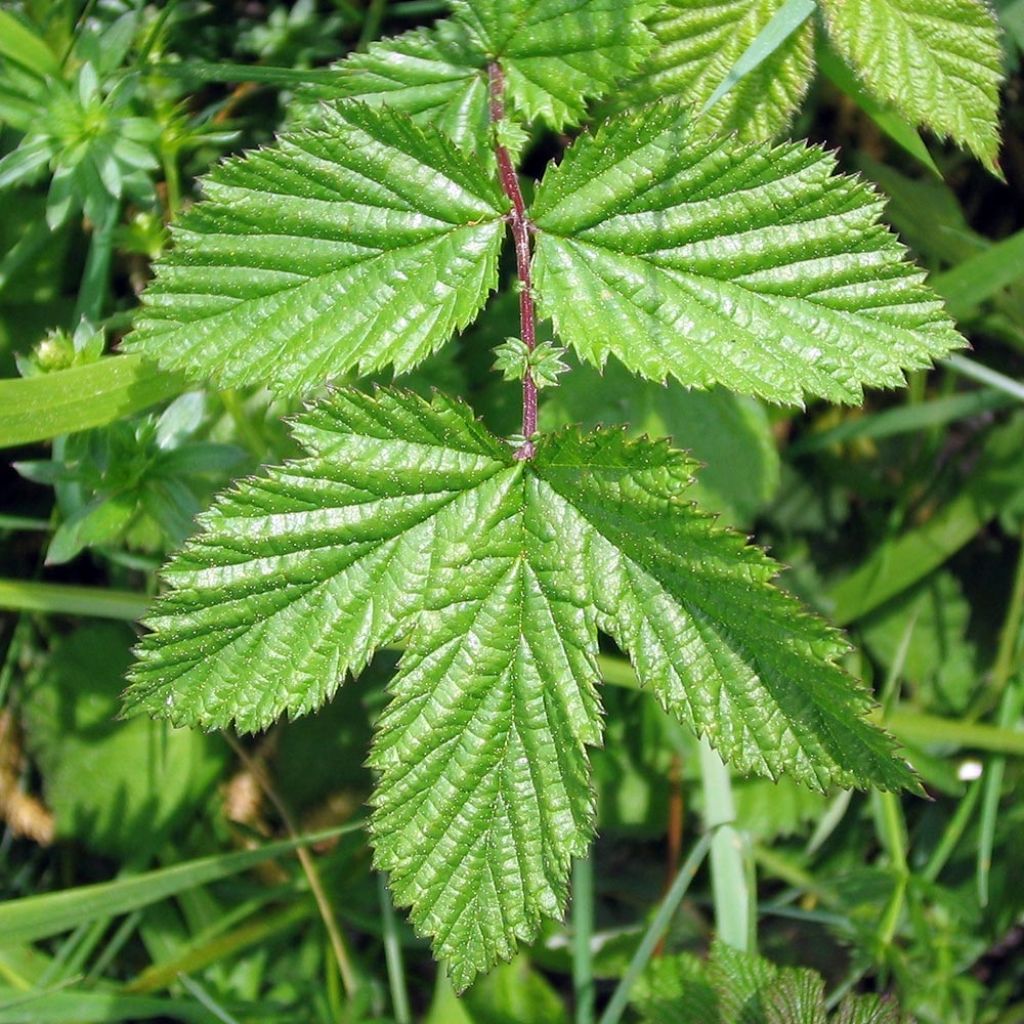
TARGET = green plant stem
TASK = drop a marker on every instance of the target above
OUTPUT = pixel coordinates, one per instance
(92, 293)
(64, 599)
(1007, 654)
(1011, 703)
(582, 939)
(393, 956)
(952, 834)
(659, 923)
(372, 23)
(250, 437)
(172, 179)
(731, 867)
(982, 374)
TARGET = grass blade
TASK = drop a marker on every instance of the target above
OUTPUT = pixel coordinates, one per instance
(36, 917)
(786, 20)
(979, 277)
(82, 397)
(66, 599)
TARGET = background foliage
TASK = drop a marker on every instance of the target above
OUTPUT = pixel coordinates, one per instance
(901, 520)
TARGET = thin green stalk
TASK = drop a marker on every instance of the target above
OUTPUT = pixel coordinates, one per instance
(92, 293)
(247, 433)
(1007, 654)
(115, 944)
(952, 833)
(418, 8)
(65, 599)
(582, 939)
(734, 895)
(393, 956)
(25, 523)
(659, 924)
(892, 832)
(984, 375)
(172, 180)
(1010, 705)
(372, 23)
(200, 994)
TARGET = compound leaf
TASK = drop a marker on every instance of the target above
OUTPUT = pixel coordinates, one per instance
(366, 244)
(698, 45)
(409, 524)
(556, 54)
(754, 267)
(938, 61)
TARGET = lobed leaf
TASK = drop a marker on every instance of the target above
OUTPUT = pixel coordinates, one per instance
(699, 43)
(753, 267)
(938, 61)
(363, 245)
(409, 524)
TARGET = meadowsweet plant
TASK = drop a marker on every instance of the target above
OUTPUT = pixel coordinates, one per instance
(671, 238)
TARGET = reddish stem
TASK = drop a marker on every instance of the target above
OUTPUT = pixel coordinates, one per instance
(521, 236)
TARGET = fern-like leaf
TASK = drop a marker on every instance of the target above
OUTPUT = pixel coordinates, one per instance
(937, 61)
(409, 524)
(363, 245)
(753, 267)
(699, 42)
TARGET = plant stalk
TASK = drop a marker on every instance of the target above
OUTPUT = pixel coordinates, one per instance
(734, 893)
(520, 226)
(582, 938)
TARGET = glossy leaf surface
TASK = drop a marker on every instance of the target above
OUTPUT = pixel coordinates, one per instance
(365, 244)
(715, 263)
(409, 524)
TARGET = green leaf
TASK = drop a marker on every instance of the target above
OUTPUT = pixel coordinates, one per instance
(754, 267)
(79, 398)
(410, 524)
(937, 61)
(118, 787)
(432, 75)
(733, 987)
(21, 44)
(699, 44)
(364, 245)
(557, 54)
(673, 990)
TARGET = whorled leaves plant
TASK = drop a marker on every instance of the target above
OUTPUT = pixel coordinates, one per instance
(365, 240)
